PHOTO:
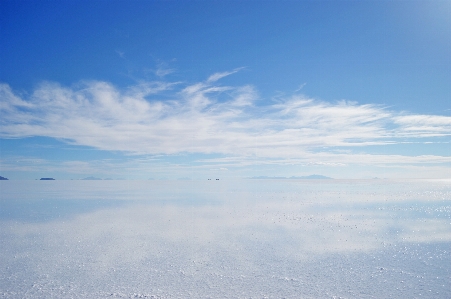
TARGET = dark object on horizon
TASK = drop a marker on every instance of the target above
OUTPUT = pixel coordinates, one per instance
(3, 178)
(217, 179)
(47, 179)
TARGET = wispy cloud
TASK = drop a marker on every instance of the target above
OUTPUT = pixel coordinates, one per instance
(424, 125)
(300, 87)
(163, 70)
(207, 117)
(216, 76)
(120, 53)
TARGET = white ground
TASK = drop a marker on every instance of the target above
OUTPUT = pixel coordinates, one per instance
(225, 239)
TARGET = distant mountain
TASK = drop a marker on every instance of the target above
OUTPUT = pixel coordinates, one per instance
(307, 177)
(47, 179)
(91, 178)
(3, 178)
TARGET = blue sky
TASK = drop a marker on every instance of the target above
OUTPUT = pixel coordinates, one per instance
(230, 89)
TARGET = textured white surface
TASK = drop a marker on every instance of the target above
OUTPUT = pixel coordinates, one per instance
(225, 239)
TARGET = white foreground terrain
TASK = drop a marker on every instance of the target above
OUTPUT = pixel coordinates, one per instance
(225, 239)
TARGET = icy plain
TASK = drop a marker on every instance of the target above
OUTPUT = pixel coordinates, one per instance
(225, 239)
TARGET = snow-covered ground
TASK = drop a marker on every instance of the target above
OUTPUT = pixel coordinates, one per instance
(225, 239)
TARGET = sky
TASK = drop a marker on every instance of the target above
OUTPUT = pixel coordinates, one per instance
(225, 89)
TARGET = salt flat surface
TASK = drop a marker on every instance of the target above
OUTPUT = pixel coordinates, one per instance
(225, 239)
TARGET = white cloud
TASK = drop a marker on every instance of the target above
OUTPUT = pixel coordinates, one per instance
(120, 53)
(206, 117)
(161, 72)
(424, 125)
(300, 87)
(216, 76)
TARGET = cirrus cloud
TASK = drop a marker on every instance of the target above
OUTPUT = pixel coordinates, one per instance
(203, 117)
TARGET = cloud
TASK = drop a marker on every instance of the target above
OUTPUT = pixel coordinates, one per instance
(327, 159)
(300, 87)
(424, 125)
(216, 76)
(206, 117)
(120, 53)
(163, 70)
